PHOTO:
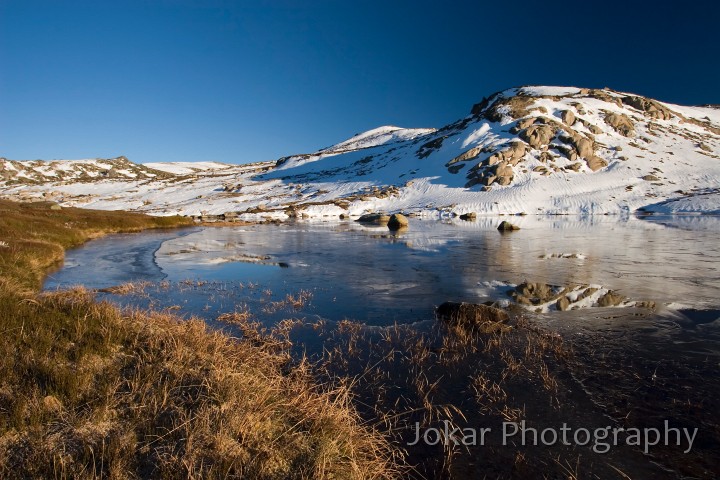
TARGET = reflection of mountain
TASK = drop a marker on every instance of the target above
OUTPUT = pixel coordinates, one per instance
(688, 222)
(537, 150)
(435, 262)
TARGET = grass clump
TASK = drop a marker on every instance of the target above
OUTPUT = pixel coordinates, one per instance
(88, 390)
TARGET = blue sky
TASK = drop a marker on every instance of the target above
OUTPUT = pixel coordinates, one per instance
(241, 81)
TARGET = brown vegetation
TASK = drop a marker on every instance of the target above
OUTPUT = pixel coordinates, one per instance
(88, 390)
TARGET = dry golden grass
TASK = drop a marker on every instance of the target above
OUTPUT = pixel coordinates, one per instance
(90, 391)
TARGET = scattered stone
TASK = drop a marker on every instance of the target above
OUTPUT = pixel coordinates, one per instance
(506, 226)
(595, 129)
(646, 304)
(574, 167)
(468, 216)
(397, 221)
(650, 178)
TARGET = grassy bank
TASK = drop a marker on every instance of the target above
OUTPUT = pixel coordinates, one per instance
(87, 390)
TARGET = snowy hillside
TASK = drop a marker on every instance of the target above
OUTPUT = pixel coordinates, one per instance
(534, 150)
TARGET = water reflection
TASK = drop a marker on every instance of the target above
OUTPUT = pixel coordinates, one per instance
(381, 277)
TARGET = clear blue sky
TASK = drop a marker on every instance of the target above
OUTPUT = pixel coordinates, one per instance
(240, 81)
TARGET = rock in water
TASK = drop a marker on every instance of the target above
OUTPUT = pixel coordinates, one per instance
(611, 299)
(379, 218)
(468, 216)
(507, 226)
(470, 315)
(397, 221)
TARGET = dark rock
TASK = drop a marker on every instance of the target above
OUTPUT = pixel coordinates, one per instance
(507, 226)
(468, 216)
(378, 218)
(398, 221)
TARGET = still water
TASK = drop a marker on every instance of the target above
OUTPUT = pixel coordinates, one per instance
(378, 277)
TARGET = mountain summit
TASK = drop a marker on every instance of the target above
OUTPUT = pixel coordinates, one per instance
(534, 150)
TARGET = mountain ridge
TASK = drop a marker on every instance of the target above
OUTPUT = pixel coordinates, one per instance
(531, 149)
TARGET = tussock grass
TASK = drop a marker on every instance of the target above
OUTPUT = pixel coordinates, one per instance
(36, 237)
(88, 390)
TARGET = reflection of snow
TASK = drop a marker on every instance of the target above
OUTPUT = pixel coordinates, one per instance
(199, 249)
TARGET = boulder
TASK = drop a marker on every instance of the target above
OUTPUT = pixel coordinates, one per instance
(568, 117)
(470, 315)
(503, 169)
(562, 304)
(621, 123)
(516, 151)
(488, 180)
(378, 218)
(504, 180)
(651, 178)
(595, 129)
(595, 163)
(584, 146)
(494, 159)
(525, 123)
(468, 216)
(469, 155)
(610, 299)
(507, 226)
(538, 135)
(398, 221)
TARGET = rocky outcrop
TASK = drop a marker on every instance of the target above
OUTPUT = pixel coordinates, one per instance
(649, 107)
(621, 123)
(538, 136)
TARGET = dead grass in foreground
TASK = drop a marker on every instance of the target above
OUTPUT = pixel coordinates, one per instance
(89, 391)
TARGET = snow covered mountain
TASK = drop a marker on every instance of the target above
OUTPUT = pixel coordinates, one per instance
(533, 150)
